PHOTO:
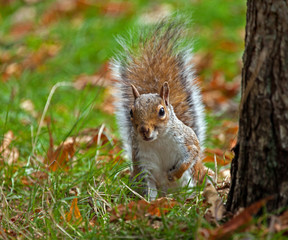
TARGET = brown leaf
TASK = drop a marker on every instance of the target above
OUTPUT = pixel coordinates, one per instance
(91, 138)
(19, 30)
(229, 46)
(74, 215)
(12, 69)
(202, 61)
(39, 57)
(59, 158)
(241, 220)
(141, 209)
(9, 155)
(101, 78)
(219, 92)
(217, 209)
(29, 60)
(62, 8)
(35, 177)
(28, 106)
(161, 206)
(116, 8)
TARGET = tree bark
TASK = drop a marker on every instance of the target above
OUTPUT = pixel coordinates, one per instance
(260, 166)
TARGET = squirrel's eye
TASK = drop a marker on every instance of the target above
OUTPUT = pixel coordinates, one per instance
(131, 113)
(161, 112)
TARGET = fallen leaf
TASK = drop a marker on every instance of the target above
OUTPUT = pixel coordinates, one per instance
(217, 209)
(242, 220)
(28, 106)
(9, 155)
(161, 206)
(223, 157)
(74, 215)
(218, 93)
(142, 209)
(62, 8)
(101, 137)
(101, 78)
(39, 57)
(59, 158)
(202, 61)
(19, 30)
(12, 69)
(33, 178)
(116, 9)
(29, 60)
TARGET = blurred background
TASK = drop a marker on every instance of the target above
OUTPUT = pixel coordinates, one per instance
(45, 42)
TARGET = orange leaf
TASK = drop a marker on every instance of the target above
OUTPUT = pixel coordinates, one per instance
(141, 209)
(60, 157)
(116, 8)
(223, 158)
(74, 214)
(241, 220)
(161, 205)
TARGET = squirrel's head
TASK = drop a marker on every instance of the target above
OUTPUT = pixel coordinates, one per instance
(150, 113)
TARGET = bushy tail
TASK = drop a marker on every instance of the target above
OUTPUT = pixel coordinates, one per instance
(157, 57)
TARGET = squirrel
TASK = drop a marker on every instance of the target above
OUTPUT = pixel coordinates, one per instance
(159, 111)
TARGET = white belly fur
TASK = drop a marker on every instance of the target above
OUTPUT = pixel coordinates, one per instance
(158, 157)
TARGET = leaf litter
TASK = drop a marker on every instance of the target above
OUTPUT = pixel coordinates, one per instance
(142, 209)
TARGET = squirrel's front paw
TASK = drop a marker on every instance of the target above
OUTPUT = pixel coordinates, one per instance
(171, 175)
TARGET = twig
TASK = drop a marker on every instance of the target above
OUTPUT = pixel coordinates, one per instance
(137, 194)
(62, 229)
(216, 170)
(98, 141)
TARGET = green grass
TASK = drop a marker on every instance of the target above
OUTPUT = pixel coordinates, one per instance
(31, 207)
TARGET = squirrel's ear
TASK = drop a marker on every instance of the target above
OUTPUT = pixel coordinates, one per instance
(135, 91)
(164, 93)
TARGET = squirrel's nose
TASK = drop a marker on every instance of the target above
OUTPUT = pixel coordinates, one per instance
(145, 130)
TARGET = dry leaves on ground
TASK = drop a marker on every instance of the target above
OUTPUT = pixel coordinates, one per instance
(217, 210)
(239, 222)
(142, 209)
(86, 139)
(59, 158)
(218, 94)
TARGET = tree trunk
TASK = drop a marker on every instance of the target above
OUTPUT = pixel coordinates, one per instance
(260, 166)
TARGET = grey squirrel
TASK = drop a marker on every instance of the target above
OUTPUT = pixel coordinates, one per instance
(159, 110)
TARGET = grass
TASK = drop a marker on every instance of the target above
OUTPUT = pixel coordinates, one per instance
(34, 202)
